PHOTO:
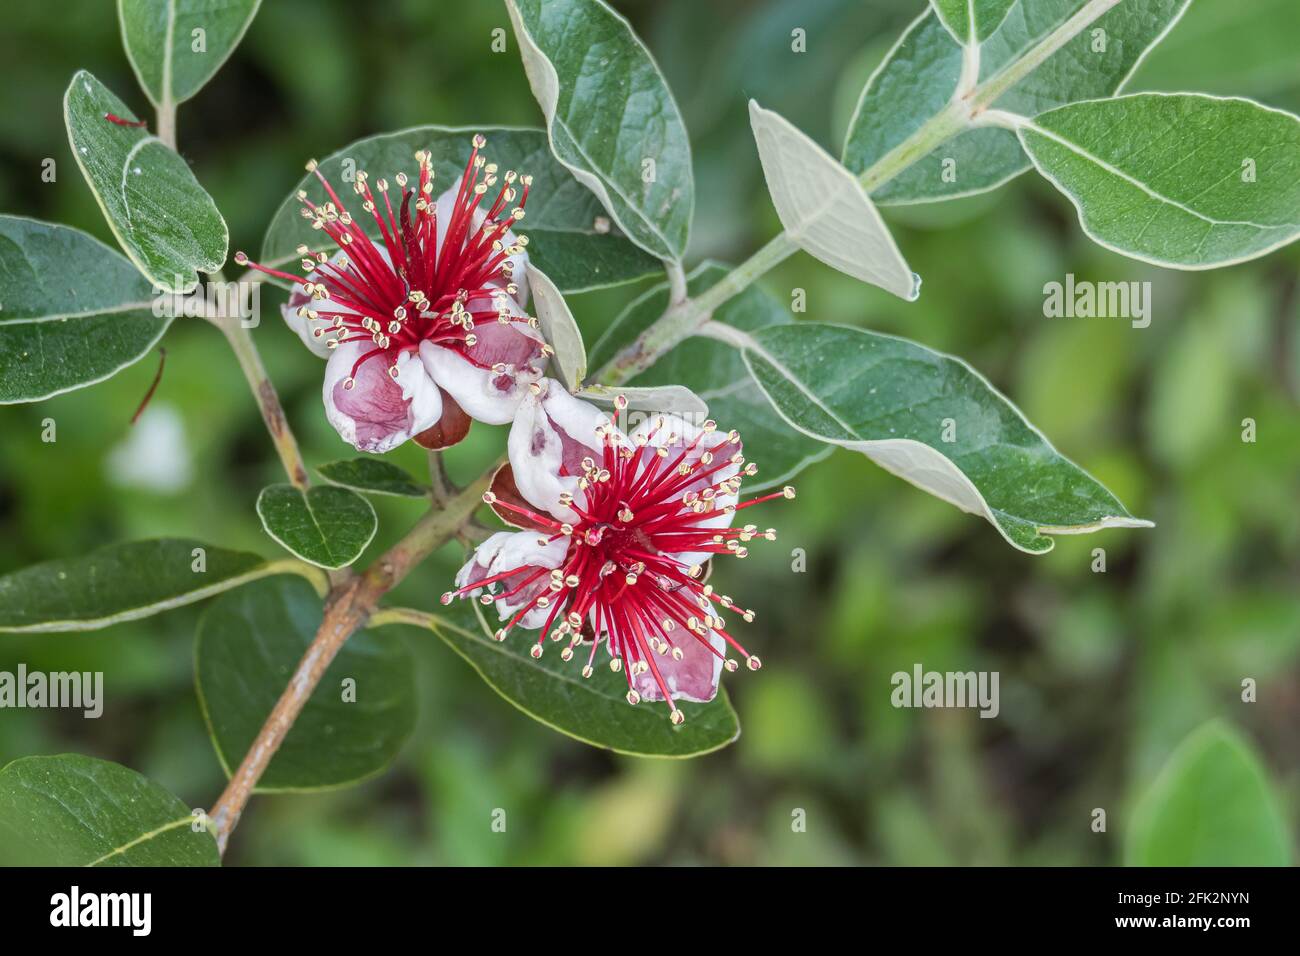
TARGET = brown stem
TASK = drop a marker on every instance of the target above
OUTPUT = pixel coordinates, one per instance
(347, 608)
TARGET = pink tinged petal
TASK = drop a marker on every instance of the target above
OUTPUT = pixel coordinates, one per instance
(694, 677)
(551, 435)
(379, 412)
(519, 263)
(506, 551)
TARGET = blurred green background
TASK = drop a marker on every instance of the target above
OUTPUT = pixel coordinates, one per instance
(1101, 674)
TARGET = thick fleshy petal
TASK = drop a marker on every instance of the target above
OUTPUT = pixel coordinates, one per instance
(379, 412)
(518, 263)
(492, 376)
(551, 434)
(694, 677)
(506, 551)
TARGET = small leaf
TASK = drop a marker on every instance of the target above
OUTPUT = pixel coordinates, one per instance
(594, 710)
(569, 235)
(612, 119)
(167, 225)
(1212, 805)
(654, 399)
(1181, 180)
(824, 208)
(959, 16)
(248, 646)
(559, 329)
(122, 582)
(373, 475)
(717, 375)
(73, 312)
(932, 420)
(175, 46)
(918, 78)
(71, 810)
(327, 526)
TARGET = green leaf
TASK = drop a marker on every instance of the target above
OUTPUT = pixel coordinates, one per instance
(569, 235)
(327, 526)
(715, 371)
(825, 210)
(959, 16)
(918, 77)
(122, 582)
(71, 810)
(1211, 805)
(655, 399)
(167, 225)
(593, 710)
(1180, 179)
(161, 39)
(373, 475)
(248, 646)
(73, 312)
(611, 117)
(897, 402)
(559, 329)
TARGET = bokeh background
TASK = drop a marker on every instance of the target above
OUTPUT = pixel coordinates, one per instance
(1101, 674)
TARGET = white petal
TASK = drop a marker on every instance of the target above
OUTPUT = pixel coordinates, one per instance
(379, 412)
(551, 434)
(505, 551)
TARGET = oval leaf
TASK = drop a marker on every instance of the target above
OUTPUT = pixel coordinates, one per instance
(918, 77)
(611, 117)
(327, 526)
(593, 710)
(569, 235)
(167, 225)
(1212, 805)
(717, 374)
(934, 421)
(123, 582)
(175, 46)
(373, 475)
(652, 399)
(71, 810)
(73, 312)
(559, 329)
(824, 208)
(248, 646)
(967, 18)
(1181, 180)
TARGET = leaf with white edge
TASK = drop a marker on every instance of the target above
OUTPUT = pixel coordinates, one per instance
(1211, 805)
(72, 810)
(824, 208)
(570, 237)
(960, 16)
(373, 476)
(918, 77)
(176, 46)
(167, 225)
(716, 373)
(1176, 179)
(593, 710)
(122, 582)
(612, 119)
(73, 312)
(559, 329)
(327, 526)
(248, 646)
(932, 420)
(649, 400)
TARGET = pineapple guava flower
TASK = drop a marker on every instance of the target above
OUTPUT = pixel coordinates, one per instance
(628, 523)
(424, 327)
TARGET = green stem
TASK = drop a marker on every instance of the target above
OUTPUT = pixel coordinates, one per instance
(683, 319)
